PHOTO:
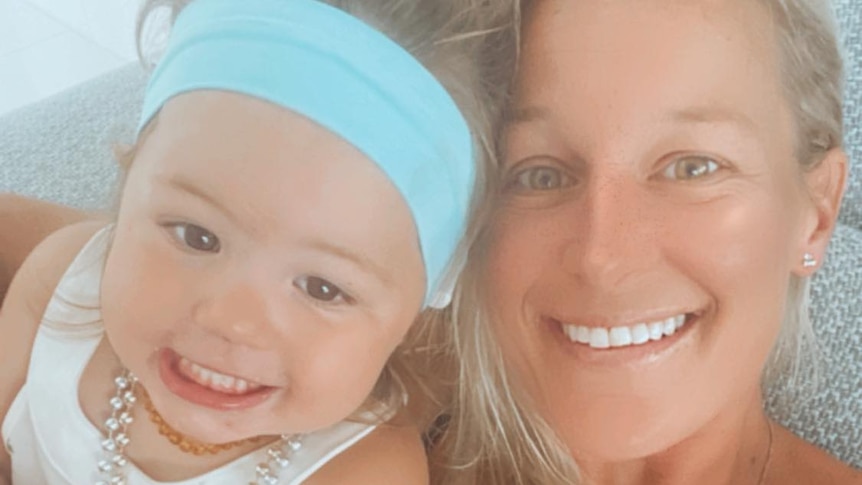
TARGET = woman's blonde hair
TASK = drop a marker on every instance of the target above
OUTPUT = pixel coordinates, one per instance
(813, 75)
(468, 45)
(493, 435)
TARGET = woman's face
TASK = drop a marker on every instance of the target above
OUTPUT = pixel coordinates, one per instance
(650, 188)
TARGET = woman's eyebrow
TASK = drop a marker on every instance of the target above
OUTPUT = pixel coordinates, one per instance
(712, 115)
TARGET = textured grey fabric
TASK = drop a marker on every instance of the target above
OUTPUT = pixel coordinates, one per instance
(849, 13)
(60, 150)
(832, 417)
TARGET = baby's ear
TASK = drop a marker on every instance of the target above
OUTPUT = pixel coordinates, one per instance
(825, 183)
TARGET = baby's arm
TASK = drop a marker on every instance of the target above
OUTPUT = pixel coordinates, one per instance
(21, 312)
(389, 455)
(23, 223)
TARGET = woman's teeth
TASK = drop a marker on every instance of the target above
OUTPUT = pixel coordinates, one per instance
(215, 380)
(639, 334)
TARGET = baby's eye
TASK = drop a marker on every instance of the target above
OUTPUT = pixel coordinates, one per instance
(690, 168)
(195, 237)
(321, 290)
(540, 178)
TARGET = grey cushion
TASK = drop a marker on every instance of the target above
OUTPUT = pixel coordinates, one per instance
(60, 150)
(832, 417)
(849, 13)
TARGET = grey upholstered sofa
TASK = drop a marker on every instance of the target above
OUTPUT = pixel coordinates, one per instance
(60, 150)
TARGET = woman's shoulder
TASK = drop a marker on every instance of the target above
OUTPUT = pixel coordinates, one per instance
(389, 454)
(798, 461)
(38, 276)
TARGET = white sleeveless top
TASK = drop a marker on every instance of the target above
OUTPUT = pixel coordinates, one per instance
(50, 440)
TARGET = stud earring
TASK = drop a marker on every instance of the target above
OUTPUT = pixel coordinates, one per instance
(808, 260)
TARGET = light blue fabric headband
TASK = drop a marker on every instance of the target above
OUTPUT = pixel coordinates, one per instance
(336, 70)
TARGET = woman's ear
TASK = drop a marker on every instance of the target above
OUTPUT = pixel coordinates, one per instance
(825, 184)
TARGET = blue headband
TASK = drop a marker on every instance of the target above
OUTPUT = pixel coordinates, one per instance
(336, 70)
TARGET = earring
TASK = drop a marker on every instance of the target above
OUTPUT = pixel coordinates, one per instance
(808, 260)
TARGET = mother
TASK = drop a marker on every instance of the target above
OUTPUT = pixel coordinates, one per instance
(670, 178)
(654, 170)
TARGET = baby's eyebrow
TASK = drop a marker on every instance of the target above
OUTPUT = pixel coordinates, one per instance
(354, 257)
(183, 185)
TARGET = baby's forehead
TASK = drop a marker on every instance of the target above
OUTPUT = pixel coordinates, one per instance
(222, 134)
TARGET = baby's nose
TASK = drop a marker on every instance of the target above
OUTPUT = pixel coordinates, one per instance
(241, 313)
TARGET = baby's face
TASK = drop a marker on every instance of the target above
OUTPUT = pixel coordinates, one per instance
(262, 271)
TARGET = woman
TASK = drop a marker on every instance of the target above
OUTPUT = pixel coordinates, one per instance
(670, 178)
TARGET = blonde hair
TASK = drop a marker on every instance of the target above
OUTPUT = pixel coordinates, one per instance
(469, 47)
(494, 435)
(813, 80)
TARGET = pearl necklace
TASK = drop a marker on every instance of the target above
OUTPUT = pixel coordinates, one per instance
(112, 468)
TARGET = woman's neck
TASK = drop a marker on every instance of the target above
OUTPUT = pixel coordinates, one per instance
(733, 448)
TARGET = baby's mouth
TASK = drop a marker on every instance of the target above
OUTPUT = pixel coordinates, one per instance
(215, 380)
(207, 387)
(625, 336)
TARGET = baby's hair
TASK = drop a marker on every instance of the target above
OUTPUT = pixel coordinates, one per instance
(494, 435)
(469, 46)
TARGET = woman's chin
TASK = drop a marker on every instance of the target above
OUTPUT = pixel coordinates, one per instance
(607, 438)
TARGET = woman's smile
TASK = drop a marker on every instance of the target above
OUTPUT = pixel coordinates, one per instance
(641, 343)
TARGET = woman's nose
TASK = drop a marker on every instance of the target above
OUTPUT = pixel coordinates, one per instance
(614, 233)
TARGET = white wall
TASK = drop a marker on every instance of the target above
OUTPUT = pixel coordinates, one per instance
(47, 46)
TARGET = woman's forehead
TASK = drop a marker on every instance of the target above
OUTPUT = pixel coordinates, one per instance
(650, 61)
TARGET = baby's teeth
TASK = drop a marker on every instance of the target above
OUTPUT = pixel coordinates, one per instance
(669, 326)
(203, 374)
(656, 330)
(679, 321)
(583, 335)
(620, 337)
(224, 381)
(599, 338)
(640, 333)
(216, 381)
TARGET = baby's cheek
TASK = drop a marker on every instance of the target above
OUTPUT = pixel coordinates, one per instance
(332, 379)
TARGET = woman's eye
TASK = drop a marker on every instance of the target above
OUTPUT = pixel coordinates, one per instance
(540, 178)
(196, 237)
(690, 168)
(320, 289)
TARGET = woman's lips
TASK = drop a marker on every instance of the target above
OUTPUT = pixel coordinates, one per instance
(206, 387)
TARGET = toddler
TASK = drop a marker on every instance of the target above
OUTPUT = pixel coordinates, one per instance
(302, 178)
